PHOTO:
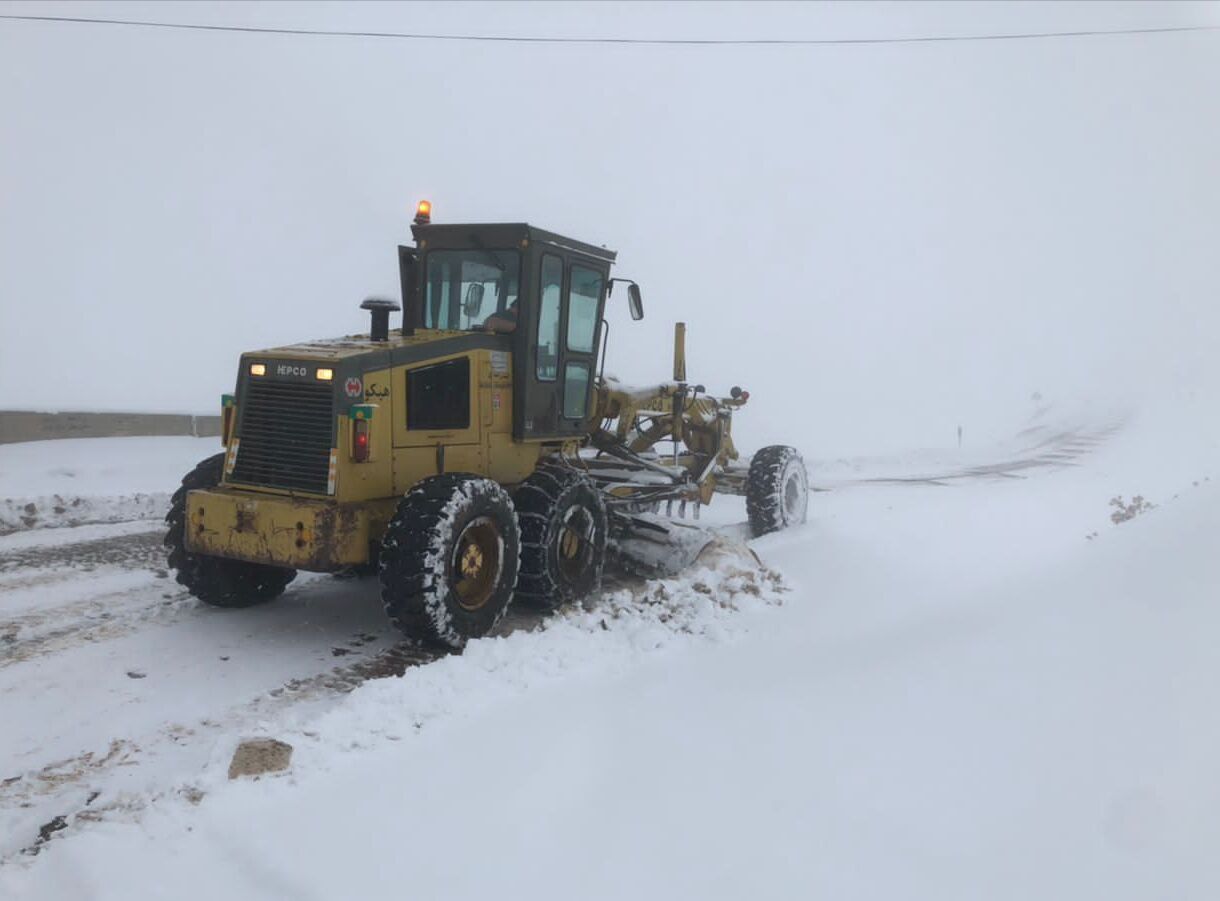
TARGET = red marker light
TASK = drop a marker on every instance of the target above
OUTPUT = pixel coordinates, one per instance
(360, 441)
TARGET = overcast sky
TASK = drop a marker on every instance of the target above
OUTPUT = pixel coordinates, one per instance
(880, 241)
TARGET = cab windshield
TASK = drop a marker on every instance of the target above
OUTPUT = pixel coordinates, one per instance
(466, 287)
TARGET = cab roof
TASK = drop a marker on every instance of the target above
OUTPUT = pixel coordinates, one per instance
(501, 235)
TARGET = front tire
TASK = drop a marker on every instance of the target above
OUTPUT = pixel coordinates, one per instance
(563, 537)
(216, 580)
(777, 490)
(449, 559)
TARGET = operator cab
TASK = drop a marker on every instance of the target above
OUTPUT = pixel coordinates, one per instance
(532, 292)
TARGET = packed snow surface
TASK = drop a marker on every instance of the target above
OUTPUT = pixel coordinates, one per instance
(966, 687)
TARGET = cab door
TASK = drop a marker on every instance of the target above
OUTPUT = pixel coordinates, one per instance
(581, 329)
(563, 345)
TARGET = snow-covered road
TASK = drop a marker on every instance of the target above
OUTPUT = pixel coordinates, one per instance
(116, 684)
(964, 668)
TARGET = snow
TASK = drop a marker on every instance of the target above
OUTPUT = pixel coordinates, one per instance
(984, 688)
(961, 679)
(73, 481)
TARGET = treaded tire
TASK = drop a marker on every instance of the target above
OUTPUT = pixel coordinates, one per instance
(777, 490)
(419, 562)
(554, 571)
(216, 580)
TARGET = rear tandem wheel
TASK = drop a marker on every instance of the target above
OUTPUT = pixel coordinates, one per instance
(563, 537)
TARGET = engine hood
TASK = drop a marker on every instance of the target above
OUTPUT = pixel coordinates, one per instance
(359, 345)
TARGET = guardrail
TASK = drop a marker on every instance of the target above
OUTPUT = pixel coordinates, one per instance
(20, 425)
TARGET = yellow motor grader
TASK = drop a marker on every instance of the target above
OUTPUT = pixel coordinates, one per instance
(475, 457)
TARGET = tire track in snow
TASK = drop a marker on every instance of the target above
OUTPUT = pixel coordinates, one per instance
(143, 549)
(1054, 449)
(99, 618)
(122, 578)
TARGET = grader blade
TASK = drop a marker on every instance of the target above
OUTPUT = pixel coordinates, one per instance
(656, 547)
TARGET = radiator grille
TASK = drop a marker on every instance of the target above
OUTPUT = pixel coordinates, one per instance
(285, 433)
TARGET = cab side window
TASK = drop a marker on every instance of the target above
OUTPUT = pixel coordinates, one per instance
(551, 291)
(586, 294)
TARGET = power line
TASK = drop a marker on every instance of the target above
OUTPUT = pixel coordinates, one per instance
(414, 36)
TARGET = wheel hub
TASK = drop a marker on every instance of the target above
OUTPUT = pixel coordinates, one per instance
(575, 541)
(472, 561)
(569, 544)
(477, 563)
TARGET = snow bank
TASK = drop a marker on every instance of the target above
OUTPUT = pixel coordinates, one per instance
(606, 640)
(93, 480)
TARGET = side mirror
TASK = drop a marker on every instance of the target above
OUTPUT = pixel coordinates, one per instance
(472, 303)
(634, 302)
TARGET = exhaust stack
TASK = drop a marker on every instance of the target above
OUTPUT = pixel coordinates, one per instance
(379, 313)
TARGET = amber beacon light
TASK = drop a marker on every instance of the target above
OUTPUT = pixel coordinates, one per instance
(423, 212)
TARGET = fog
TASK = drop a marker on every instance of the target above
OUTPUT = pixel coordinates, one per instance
(880, 242)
